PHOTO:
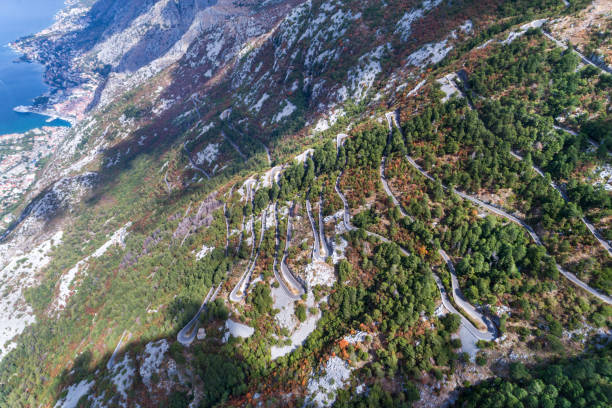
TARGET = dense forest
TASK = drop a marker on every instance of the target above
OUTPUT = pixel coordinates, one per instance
(582, 382)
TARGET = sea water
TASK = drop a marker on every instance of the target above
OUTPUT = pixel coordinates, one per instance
(21, 82)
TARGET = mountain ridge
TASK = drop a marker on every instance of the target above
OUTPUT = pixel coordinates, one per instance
(194, 158)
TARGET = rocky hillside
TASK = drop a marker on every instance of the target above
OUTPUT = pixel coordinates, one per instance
(309, 203)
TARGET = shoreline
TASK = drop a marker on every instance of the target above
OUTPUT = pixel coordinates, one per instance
(46, 110)
(51, 115)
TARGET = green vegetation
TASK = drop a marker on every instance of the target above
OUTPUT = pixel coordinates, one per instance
(155, 284)
(578, 382)
(516, 113)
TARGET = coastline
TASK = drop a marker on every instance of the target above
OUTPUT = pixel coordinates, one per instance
(56, 96)
(51, 114)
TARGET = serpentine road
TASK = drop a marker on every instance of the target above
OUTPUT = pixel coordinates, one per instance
(285, 278)
(234, 145)
(573, 133)
(189, 332)
(111, 361)
(350, 227)
(570, 276)
(239, 291)
(193, 164)
(383, 179)
(567, 274)
(316, 250)
(491, 331)
(385, 184)
(589, 226)
(467, 328)
(582, 56)
(463, 303)
(227, 231)
(327, 247)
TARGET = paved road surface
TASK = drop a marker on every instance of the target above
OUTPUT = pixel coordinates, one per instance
(316, 250)
(227, 231)
(462, 302)
(570, 276)
(189, 332)
(239, 291)
(234, 145)
(390, 118)
(571, 132)
(325, 245)
(347, 214)
(268, 154)
(193, 164)
(111, 361)
(285, 278)
(582, 57)
(468, 334)
(385, 184)
(491, 331)
(589, 226)
(168, 186)
(536, 239)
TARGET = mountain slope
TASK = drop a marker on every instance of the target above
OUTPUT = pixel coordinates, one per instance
(243, 154)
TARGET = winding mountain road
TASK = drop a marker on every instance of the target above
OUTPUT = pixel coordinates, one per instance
(267, 154)
(584, 59)
(467, 328)
(387, 189)
(574, 133)
(239, 291)
(227, 231)
(239, 246)
(111, 361)
(389, 116)
(462, 302)
(347, 215)
(570, 276)
(465, 323)
(316, 250)
(468, 333)
(325, 244)
(491, 332)
(235, 146)
(168, 186)
(285, 278)
(189, 332)
(589, 226)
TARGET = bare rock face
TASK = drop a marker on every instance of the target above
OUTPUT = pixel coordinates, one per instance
(61, 197)
(116, 45)
(94, 53)
(202, 217)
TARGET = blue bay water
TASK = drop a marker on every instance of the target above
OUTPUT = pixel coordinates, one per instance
(21, 82)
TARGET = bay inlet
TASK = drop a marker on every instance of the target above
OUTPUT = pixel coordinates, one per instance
(22, 82)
